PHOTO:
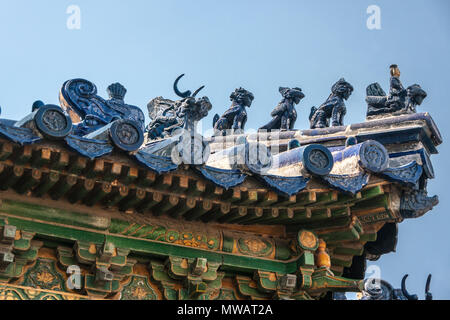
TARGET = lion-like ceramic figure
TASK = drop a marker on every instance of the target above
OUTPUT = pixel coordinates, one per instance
(333, 108)
(284, 115)
(236, 116)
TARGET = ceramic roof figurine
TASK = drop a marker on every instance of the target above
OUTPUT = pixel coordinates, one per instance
(167, 213)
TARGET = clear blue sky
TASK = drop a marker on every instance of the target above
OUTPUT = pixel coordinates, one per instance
(259, 45)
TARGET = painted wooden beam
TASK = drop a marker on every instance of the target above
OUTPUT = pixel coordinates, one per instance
(29, 180)
(134, 198)
(80, 190)
(236, 213)
(98, 194)
(152, 199)
(63, 186)
(220, 210)
(116, 195)
(48, 180)
(169, 202)
(201, 209)
(184, 205)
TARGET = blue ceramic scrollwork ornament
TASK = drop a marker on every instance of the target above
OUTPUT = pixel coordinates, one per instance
(45, 121)
(101, 124)
(91, 112)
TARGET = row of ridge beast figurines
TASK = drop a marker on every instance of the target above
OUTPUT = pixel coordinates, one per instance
(398, 101)
(93, 126)
(89, 116)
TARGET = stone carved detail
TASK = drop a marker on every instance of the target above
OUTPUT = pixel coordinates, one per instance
(285, 115)
(235, 117)
(333, 108)
(416, 203)
(398, 101)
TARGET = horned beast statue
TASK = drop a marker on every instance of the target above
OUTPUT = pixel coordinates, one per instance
(399, 100)
(236, 116)
(333, 108)
(385, 291)
(284, 115)
(168, 116)
(172, 131)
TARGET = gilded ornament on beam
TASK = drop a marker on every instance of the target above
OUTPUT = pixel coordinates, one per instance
(322, 257)
(307, 240)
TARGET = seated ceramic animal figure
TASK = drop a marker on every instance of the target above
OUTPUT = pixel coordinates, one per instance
(89, 112)
(333, 108)
(398, 101)
(236, 116)
(284, 115)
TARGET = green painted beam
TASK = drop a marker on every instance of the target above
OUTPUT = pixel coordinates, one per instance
(239, 262)
(39, 212)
